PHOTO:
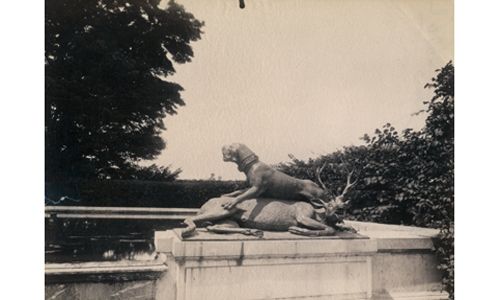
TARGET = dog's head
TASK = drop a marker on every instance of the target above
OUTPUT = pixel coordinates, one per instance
(236, 152)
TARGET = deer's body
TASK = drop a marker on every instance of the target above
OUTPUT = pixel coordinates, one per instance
(252, 215)
(262, 213)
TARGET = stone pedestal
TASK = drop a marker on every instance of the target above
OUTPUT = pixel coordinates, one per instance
(285, 266)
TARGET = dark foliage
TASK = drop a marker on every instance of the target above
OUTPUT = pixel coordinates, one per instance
(403, 177)
(106, 97)
(150, 173)
(138, 193)
(154, 173)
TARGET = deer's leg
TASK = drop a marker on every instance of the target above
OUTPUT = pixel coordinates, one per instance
(208, 216)
(309, 232)
(311, 223)
(233, 227)
(319, 228)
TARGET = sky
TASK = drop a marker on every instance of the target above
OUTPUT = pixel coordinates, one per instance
(302, 77)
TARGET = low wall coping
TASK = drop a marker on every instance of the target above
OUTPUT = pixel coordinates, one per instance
(105, 271)
(374, 238)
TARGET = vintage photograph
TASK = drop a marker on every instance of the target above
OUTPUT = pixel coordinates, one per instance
(249, 149)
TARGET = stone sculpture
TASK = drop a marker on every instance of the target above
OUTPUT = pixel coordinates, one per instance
(267, 182)
(273, 202)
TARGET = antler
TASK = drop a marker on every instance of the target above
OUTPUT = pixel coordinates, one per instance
(349, 184)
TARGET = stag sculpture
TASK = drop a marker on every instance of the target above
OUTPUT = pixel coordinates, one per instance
(252, 216)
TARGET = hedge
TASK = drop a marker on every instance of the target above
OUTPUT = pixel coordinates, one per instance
(137, 193)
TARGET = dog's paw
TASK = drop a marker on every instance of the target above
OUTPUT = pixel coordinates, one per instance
(230, 204)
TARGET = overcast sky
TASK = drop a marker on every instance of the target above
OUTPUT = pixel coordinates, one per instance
(302, 77)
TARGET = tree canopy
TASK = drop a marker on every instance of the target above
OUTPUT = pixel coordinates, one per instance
(106, 64)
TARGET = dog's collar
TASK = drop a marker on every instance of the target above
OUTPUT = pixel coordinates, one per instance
(247, 162)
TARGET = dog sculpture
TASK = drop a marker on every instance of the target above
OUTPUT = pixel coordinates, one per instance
(267, 182)
(251, 216)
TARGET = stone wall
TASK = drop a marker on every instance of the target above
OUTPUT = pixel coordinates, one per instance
(388, 262)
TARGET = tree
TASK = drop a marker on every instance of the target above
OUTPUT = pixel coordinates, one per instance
(106, 94)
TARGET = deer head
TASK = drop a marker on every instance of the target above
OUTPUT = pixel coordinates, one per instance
(337, 202)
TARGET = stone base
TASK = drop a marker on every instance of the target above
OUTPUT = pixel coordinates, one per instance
(392, 262)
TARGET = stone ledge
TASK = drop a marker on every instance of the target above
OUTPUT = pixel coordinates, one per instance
(397, 238)
(426, 295)
(104, 271)
(201, 234)
(372, 237)
(378, 229)
(169, 241)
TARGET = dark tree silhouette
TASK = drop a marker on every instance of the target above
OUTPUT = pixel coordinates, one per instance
(106, 95)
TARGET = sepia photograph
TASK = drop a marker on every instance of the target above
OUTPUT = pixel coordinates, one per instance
(249, 149)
